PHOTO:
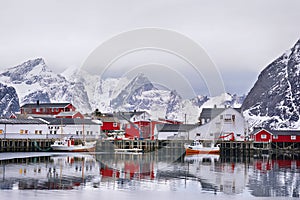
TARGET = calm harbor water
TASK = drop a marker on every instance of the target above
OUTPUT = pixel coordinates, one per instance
(136, 176)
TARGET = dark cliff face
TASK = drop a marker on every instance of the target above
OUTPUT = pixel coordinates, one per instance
(276, 93)
(9, 101)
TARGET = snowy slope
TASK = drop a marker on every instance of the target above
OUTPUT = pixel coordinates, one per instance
(9, 101)
(33, 80)
(274, 100)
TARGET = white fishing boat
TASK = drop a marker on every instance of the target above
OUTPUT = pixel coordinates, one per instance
(197, 147)
(68, 144)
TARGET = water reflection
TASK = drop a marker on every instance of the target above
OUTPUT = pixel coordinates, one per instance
(261, 177)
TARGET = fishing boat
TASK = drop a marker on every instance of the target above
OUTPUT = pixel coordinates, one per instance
(197, 147)
(68, 144)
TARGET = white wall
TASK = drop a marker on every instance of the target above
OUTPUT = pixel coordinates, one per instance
(218, 126)
(14, 131)
(76, 130)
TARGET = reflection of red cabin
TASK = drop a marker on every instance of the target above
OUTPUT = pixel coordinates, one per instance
(262, 165)
(262, 136)
(46, 108)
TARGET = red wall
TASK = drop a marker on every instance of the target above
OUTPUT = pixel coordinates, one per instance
(49, 111)
(109, 126)
(257, 136)
(145, 126)
(286, 138)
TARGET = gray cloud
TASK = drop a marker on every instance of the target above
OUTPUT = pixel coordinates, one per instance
(235, 34)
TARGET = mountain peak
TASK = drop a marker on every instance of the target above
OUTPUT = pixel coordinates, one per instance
(276, 94)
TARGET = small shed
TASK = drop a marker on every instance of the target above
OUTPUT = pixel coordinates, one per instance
(262, 135)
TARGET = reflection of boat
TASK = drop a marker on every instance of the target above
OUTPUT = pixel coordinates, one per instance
(197, 147)
(68, 144)
(202, 158)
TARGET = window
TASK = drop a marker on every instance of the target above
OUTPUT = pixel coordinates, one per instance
(36, 132)
(88, 132)
(275, 136)
(77, 132)
(263, 136)
(1, 131)
(91, 132)
(115, 124)
(238, 135)
(40, 132)
(207, 120)
(198, 134)
(80, 132)
(211, 134)
(21, 131)
(233, 118)
(50, 132)
(221, 116)
(293, 137)
(227, 118)
(54, 132)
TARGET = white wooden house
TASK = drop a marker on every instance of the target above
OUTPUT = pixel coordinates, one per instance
(23, 128)
(78, 128)
(220, 124)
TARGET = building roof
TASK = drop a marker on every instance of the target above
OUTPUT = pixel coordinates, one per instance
(285, 132)
(175, 127)
(69, 121)
(71, 113)
(48, 105)
(277, 132)
(109, 119)
(210, 113)
(22, 121)
(128, 115)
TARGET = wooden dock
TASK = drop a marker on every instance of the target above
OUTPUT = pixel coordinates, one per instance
(163, 147)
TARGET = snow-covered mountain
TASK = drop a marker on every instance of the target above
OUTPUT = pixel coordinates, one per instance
(9, 101)
(34, 81)
(274, 100)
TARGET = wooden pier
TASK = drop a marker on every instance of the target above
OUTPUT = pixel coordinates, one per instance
(27, 145)
(165, 146)
(162, 147)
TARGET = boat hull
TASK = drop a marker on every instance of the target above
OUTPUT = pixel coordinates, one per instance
(75, 148)
(199, 151)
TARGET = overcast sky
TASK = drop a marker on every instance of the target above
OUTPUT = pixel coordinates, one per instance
(240, 37)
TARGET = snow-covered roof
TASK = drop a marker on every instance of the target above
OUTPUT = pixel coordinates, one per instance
(69, 121)
(71, 113)
(48, 105)
(210, 113)
(175, 127)
(21, 121)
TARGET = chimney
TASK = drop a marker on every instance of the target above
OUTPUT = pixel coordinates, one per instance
(38, 102)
